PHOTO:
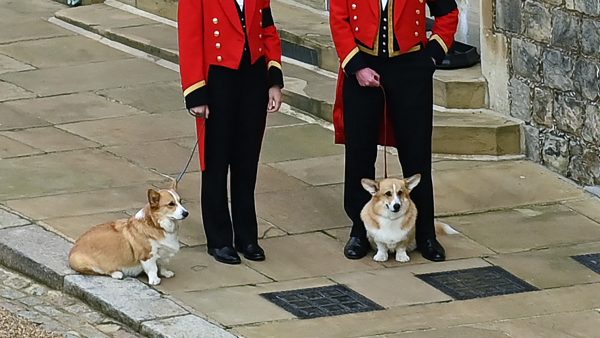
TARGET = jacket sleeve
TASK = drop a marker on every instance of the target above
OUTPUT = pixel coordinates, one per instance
(444, 28)
(343, 38)
(272, 44)
(191, 54)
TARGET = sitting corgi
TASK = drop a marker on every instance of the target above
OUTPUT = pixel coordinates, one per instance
(390, 217)
(126, 247)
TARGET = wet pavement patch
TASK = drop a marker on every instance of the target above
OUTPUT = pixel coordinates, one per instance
(476, 282)
(322, 301)
(591, 261)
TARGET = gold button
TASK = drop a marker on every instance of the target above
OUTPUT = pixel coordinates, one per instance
(259, 49)
(356, 29)
(353, 6)
(355, 17)
(260, 36)
(218, 45)
(219, 58)
(418, 12)
(216, 33)
(215, 21)
(260, 23)
(416, 33)
(417, 22)
(260, 11)
(421, 1)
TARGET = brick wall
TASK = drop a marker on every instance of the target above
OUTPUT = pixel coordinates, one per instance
(554, 86)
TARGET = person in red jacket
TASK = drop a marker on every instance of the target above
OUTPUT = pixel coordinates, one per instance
(384, 43)
(230, 64)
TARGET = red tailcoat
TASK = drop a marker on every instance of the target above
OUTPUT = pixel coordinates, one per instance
(355, 27)
(211, 33)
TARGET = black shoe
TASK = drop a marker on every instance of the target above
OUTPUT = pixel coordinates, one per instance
(356, 248)
(225, 255)
(252, 252)
(432, 250)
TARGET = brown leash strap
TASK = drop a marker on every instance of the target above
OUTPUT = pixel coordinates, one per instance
(385, 172)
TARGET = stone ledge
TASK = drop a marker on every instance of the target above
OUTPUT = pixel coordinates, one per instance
(128, 300)
(188, 326)
(38, 253)
(9, 219)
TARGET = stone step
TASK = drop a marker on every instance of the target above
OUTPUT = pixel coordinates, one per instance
(311, 89)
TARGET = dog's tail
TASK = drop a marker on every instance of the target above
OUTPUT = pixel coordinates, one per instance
(444, 229)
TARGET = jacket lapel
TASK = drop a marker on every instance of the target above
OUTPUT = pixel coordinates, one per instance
(230, 9)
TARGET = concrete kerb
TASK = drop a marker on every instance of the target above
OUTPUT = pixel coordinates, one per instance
(42, 255)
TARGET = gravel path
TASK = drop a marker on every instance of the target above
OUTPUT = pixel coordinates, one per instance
(12, 326)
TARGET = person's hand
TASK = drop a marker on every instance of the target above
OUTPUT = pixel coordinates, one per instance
(274, 99)
(200, 111)
(367, 77)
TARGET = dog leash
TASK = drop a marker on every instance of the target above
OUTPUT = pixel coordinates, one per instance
(188, 163)
(385, 172)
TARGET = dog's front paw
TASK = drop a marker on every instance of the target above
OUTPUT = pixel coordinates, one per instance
(167, 273)
(402, 257)
(153, 280)
(380, 256)
(117, 275)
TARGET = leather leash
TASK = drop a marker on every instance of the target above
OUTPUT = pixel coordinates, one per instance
(187, 164)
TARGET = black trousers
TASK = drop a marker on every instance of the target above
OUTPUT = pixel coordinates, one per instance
(234, 133)
(407, 80)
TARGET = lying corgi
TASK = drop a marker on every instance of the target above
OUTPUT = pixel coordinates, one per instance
(126, 247)
(390, 217)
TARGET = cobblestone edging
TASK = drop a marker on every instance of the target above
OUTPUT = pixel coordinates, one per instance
(555, 81)
(42, 255)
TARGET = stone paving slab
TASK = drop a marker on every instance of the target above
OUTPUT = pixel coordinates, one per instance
(188, 326)
(9, 91)
(434, 316)
(49, 139)
(164, 156)
(108, 74)
(61, 51)
(526, 228)
(9, 65)
(196, 270)
(74, 226)
(29, 29)
(128, 300)
(36, 252)
(138, 129)
(101, 15)
(496, 185)
(162, 97)
(589, 207)
(241, 305)
(10, 219)
(64, 109)
(11, 148)
(66, 172)
(550, 268)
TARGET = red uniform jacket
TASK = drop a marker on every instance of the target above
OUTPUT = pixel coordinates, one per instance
(211, 33)
(355, 27)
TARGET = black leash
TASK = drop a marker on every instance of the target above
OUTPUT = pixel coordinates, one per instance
(385, 171)
(187, 164)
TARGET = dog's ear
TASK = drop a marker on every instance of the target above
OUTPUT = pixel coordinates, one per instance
(173, 185)
(371, 186)
(413, 181)
(153, 198)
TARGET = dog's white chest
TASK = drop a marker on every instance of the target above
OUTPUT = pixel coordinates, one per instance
(389, 232)
(166, 247)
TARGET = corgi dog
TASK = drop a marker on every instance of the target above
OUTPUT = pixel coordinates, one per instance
(143, 242)
(390, 217)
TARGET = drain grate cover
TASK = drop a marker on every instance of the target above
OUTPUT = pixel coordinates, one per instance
(591, 261)
(322, 301)
(476, 282)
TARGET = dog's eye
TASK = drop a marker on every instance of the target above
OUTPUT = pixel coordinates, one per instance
(388, 194)
(172, 204)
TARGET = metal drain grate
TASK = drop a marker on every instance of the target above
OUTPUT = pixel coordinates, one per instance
(322, 301)
(476, 282)
(591, 261)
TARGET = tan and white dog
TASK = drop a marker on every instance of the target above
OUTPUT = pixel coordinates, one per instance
(143, 242)
(390, 217)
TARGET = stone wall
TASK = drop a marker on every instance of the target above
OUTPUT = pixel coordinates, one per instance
(554, 85)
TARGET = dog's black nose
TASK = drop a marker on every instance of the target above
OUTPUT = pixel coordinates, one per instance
(396, 207)
(185, 214)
